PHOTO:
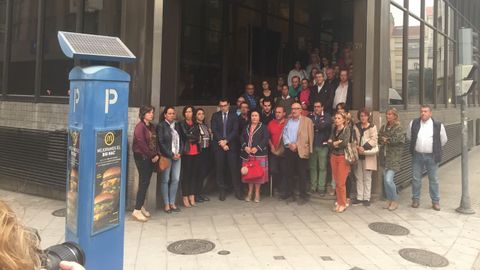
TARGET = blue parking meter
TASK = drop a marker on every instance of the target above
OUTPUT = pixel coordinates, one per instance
(97, 158)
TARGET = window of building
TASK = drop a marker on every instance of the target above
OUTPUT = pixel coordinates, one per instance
(415, 7)
(451, 72)
(413, 62)
(395, 95)
(225, 44)
(428, 83)
(400, 2)
(201, 52)
(102, 17)
(279, 8)
(21, 66)
(441, 16)
(60, 15)
(451, 23)
(3, 14)
(440, 81)
(428, 11)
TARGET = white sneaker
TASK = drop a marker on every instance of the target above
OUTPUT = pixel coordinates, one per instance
(137, 215)
(145, 212)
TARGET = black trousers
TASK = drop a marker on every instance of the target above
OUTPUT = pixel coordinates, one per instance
(205, 164)
(296, 167)
(145, 170)
(277, 166)
(190, 174)
(223, 158)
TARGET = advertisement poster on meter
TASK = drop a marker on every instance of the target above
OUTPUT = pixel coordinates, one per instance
(107, 179)
(72, 194)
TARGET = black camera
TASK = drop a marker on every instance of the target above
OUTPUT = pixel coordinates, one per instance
(68, 251)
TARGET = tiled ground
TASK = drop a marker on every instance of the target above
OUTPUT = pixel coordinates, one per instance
(308, 237)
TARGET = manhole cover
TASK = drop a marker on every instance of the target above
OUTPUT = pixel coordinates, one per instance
(388, 228)
(60, 212)
(423, 257)
(191, 247)
(223, 252)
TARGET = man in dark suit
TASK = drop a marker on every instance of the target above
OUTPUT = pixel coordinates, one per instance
(322, 92)
(225, 147)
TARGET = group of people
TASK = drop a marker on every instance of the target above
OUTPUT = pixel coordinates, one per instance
(297, 138)
(173, 149)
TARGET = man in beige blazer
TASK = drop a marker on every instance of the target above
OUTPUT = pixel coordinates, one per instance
(298, 141)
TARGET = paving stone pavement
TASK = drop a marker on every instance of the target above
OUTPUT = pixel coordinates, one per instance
(275, 235)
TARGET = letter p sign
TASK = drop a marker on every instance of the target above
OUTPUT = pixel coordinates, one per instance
(111, 97)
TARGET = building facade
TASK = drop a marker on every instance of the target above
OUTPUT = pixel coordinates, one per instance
(194, 51)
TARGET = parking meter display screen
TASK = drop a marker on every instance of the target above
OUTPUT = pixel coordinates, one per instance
(72, 174)
(107, 179)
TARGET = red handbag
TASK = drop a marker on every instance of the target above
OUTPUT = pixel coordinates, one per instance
(251, 169)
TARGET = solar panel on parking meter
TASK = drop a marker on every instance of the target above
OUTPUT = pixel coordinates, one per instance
(94, 47)
(97, 148)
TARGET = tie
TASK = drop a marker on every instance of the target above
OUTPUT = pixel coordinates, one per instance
(224, 125)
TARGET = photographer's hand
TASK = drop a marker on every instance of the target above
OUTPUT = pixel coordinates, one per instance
(64, 265)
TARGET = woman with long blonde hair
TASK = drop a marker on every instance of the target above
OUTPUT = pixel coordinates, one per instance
(19, 246)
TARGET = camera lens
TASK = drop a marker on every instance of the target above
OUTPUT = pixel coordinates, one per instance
(67, 251)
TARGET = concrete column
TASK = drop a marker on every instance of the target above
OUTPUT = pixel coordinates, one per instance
(151, 201)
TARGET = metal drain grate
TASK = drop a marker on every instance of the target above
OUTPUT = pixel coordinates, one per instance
(278, 258)
(423, 257)
(388, 228)
(223, 252)
(60, 212)
(191, 247)
(326, 258)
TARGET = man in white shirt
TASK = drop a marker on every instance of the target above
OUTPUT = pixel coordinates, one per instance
(427, 137)
(343, 92)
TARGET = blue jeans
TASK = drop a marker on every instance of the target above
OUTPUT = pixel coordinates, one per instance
(389, 184)
(172, 175)
(419, 162)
